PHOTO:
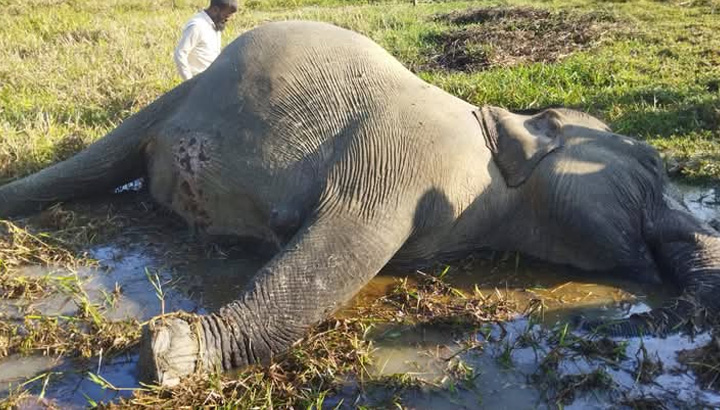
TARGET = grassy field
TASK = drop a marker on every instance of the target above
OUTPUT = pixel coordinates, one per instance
(71, 70)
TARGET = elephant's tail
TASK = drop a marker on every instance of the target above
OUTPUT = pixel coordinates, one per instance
(688, 256)
(113, 160)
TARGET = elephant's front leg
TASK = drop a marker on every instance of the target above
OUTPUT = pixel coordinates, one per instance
(325, 264)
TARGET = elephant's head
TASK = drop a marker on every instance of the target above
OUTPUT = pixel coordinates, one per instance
(597, 200)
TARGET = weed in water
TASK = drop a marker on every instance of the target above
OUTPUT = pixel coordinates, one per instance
(157, 284)
(705, 363)
(645, 403)
(647, 368)
(83, 336)
(434, 301)
(571, 385)
(505, 358)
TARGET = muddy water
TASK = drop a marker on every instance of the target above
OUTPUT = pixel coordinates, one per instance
(499, 380)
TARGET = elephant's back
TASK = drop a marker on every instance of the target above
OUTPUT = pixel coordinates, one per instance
(273, 49)
(288, 98)
(289, 106)
(286, 90)
(261, 126)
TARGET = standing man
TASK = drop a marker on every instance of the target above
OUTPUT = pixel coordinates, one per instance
(200, 41)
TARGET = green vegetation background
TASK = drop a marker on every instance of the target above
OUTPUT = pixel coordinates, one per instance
(70, 70)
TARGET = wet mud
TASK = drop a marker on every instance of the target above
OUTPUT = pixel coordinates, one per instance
(527, 362)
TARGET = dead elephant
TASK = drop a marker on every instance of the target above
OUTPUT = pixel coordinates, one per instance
(316, 138)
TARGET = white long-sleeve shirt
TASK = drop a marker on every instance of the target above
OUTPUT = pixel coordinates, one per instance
(198, 46)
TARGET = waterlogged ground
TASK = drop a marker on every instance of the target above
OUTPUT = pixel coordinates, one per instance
(523, 363)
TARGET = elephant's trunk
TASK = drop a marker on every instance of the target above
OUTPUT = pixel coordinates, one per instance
(688, 255)
(108, 163)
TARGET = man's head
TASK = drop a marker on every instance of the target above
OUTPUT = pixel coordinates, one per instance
(220, 12)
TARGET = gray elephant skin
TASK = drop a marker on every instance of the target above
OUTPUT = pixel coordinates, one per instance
(316, 139)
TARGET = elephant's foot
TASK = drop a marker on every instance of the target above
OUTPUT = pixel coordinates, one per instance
(172, 348)
(181, 344)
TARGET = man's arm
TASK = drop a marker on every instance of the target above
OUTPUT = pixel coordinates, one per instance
(187, 42)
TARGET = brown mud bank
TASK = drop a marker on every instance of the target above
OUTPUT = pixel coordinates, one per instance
(506, 36)
(445, 338)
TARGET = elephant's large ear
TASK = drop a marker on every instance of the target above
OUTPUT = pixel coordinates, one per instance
(518, 143)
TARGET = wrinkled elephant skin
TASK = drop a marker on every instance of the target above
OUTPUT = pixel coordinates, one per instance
(314, 138)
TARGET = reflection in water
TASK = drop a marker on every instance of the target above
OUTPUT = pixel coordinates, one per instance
(206, 284)
(703, 203)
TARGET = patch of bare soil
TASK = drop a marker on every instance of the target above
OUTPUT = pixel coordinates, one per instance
(506, 36)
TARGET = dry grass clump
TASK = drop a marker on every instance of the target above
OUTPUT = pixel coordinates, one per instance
(85, 333)
(80, 336)
(645, 403)
(59, 236)
(21, 399)
(19, 246)
(22, 287)
(704, 362)
(647, 368)
(80, 229)
(507, 36)
(563, 388)
(312, 370)
(571, 385)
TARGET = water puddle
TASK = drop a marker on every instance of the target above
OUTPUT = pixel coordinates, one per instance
(503, 368)
(703, 203)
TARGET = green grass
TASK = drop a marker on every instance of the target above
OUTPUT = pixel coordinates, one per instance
(72, 70)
